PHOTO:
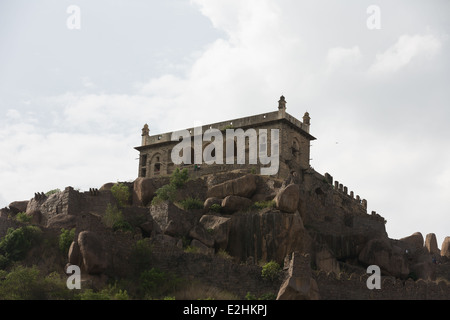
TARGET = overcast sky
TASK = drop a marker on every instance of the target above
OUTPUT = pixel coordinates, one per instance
(375, 81)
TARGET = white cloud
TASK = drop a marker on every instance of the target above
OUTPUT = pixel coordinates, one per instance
(341, 57)
(314, 57)
(407, 49)
(13, 114)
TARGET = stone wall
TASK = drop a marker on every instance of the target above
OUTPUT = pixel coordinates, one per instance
(213, 270)
(354, 287)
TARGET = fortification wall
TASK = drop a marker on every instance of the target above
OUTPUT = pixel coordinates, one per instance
(354, 287)
(213, 270)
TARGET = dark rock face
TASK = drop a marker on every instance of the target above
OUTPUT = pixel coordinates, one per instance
(92, 252)
(267, 235)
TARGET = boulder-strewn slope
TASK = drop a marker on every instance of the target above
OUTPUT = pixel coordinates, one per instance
(316, 230)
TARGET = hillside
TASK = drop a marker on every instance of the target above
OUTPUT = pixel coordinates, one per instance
(218, 236)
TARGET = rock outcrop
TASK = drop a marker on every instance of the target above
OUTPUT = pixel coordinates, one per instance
(445, 248)
(389, 257)
(431, 244)
(243, 187)
(92, 252)
(232, 204)
(299, 284)
(18, 206)
(287, 199)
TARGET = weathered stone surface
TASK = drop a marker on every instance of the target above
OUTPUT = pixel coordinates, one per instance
(201, 234)
(147, 227)
(107, 186)
(36, 217)
(287, 198)
(326, 261)
(220, 228)
(201, 248)
(445, 248)
(74, 255)
(388, 257)
(62, 221)
(431, 244)
(415, 241)
(232, 204)
(244, 187)
(171, 220)
(299, 284)
(92, 252)
(18, 206)
(210, 201)
(5, 212)
(267, 235)
(143, 191)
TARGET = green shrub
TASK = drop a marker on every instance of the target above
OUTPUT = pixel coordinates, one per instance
(122, 225)
(179, 177)
(216, 208)
(49, 193)
(112, 292)
(155, 283)
(66, 238)
(27, 283)
(250, 296)
(271, 271)
(16, 243)
(167, 192)
(141, 255)
(4, 262)
(191, 204)
(264, 204)
(121, 193)
(112, 215)
(23, 217)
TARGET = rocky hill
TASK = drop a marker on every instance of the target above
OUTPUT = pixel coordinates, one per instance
(222, 236)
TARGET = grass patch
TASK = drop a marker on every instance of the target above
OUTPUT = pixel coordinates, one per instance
(191, 204)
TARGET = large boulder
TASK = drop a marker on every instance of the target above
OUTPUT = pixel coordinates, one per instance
(201, 234)
(445, 248)
(143, 191)
(233, 204)
(431, 244)
(243, 186)
(92, 252)
(210, 201)
(299, 284)
(74, 254)
(387, 256)
(287, 199)
(171, 220)
(18, 206)
(220, 228)
(413, 242)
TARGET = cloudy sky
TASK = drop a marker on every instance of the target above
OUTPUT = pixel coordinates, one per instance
(374, 76)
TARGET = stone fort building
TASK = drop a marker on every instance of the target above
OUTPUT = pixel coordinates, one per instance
(294, 145)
